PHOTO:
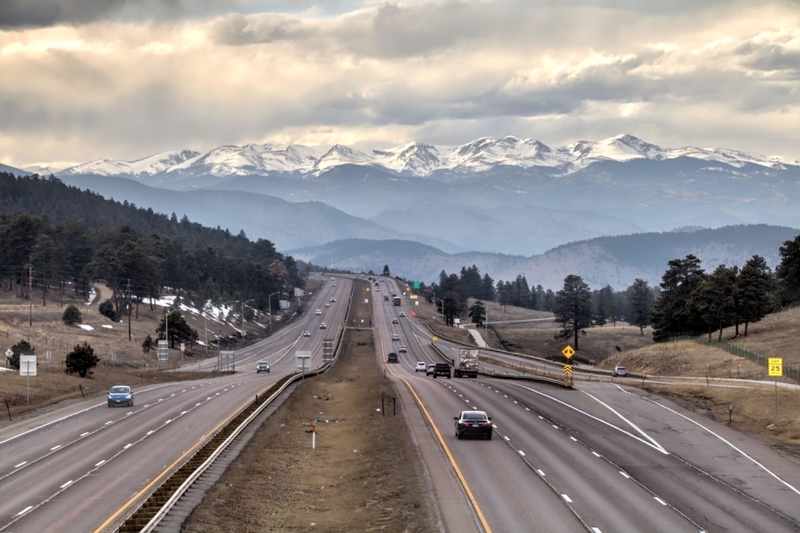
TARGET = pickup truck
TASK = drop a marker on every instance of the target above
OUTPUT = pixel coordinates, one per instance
(441, 369)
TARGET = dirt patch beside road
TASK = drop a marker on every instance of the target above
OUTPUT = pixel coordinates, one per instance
(363, 476)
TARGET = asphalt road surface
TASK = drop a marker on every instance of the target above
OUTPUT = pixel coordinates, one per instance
(87, 467)
(600, 458)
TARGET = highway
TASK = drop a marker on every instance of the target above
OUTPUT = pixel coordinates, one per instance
(87, 467)
(601, 457)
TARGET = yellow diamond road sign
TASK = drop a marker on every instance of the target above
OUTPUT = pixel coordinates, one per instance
(776, 366)
(435, 338)
(568, 351)
(567, 369)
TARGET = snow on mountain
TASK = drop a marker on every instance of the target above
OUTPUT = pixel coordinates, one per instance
(342, 155)
(487, 152)
(146, 166)
(232, 160)
(619, 148)
(417, 159)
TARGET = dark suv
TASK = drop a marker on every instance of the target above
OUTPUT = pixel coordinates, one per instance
(441, 369)
(391, 358)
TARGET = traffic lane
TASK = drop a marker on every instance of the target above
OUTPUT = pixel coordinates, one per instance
(126, 461)
(22, 450)
(512, 498)
(738, 460)
(599, 492)
(695, 493)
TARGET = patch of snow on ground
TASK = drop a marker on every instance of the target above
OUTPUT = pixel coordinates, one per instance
(108, 326)
(87, 327)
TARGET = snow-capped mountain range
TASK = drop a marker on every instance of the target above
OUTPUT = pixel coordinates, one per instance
(414, 159)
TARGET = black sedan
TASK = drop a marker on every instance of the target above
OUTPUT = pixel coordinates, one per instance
(473, 424)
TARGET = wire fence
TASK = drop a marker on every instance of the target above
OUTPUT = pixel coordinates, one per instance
(791, 370)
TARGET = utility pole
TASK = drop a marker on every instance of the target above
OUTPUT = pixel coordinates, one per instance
(30, 295)
(205, 329)
(130, 337)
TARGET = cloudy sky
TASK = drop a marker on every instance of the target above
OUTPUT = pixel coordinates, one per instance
(124, 79)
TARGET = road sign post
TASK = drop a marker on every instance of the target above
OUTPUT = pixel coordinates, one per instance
(776, 370)
(27, 367)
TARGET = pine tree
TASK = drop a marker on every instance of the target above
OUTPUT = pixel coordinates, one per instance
(573, 308)
(640, 305)
(754, 283)
(671, 314)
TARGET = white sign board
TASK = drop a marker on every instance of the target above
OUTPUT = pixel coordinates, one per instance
(284, 304)
(162, 351)
(27, 365)
(9, 353)
(298, 293)
(303, 360)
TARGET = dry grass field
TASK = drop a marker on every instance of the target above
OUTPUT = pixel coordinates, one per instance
(362, 476)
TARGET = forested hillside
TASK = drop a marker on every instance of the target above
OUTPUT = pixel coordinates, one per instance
(53, 236)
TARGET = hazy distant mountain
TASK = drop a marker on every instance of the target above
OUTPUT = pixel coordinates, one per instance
(615, 261)
(416, 159)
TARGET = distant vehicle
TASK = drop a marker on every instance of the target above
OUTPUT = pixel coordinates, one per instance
(474, 424)
(306, 333)
(327, 304)
(402, 314)
(120, 395)
(441, 369)
(421, 366)
(262, 366)
(395, 321)
(466, 363)
(333, 285)
(395, 337)
(378, 289)
(397, 301)
(318, 312)
(333, 279)
(620, 371)
(323, 326)
(333, 299)
(430, 369)
(391, 358)
(385, 297)
(402, 349)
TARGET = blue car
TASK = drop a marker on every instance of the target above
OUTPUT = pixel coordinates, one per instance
(120, 395)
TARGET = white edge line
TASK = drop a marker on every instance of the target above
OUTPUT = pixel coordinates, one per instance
(634, 426)
(609, 424)
(767, 470)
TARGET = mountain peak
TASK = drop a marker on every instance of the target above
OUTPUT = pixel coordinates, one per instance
(415, 158)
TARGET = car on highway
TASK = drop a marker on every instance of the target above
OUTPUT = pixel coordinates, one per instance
(120, 395)
(430, 369)
(323, 326)
(620, 371)
(402, 314)
(395, 337)
(391, 358)
(378, 289)
(318, 312)
(262, 366)
(421, 366)
(441, 369)
(306, 333)
(473, 424)
(327, 304)
(333, 299)
(395, 321)
(402, 349)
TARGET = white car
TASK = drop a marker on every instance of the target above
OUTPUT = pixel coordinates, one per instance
(402, 314)
(318, 312)
(327, 305)
(402, 349)
(323, 326)
(333, 299)
(306, 333)
(395, 337)
(421, 367)
(394, 321)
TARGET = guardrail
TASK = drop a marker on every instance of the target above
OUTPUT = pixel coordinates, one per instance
(158, 505)
(529, 377)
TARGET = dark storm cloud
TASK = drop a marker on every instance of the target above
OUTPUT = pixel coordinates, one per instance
(43, 13)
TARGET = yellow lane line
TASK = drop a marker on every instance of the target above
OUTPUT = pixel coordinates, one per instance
(167, 470)
(450, 457)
